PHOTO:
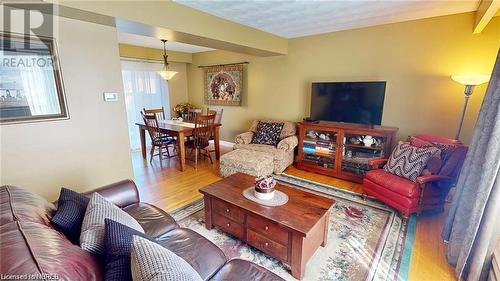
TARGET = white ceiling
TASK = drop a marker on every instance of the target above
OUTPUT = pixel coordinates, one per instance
(151, 42)
(298, 18)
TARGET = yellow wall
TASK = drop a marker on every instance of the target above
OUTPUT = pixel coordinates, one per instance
(91, 148)
(178, 85)
(416, 59)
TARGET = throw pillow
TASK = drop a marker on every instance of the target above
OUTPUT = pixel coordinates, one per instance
(118, 240)
(98, 209)
(267, 133)
(151, 261)
(408, 161)
(71, 208)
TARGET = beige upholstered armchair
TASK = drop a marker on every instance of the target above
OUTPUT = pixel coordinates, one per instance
(282, 153)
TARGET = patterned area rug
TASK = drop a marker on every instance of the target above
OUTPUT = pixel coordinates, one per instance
(367, 239)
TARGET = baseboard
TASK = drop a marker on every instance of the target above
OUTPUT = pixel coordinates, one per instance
(226, 143)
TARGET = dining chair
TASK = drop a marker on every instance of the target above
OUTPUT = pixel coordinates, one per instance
(159, 112)
(217, 113)
(202, 132)
(218, 120)
(158, 139)
(190, 115)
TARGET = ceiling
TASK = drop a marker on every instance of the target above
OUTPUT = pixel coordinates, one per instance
(291, 19)
(151, 42)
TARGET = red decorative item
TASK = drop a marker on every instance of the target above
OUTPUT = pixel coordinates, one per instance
(354, 212)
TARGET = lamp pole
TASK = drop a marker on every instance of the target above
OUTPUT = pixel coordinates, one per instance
(468, 92)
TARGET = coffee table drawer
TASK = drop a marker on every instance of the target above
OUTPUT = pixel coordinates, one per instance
(268, 229)
(228, 210)
(229, 226)
(268, 246)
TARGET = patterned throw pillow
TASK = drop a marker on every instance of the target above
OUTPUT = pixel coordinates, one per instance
(151, 261)
(71, 208)
(92, 235)
(408, 161)
(267, 133)
(118, 240)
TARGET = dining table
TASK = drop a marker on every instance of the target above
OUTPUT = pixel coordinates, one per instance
(179, 130)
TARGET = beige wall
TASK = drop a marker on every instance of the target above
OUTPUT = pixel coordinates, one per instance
(91, 148)
(416, 59)
(178, 85)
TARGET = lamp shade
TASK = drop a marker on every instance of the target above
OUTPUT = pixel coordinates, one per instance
(166, 74)
(471, 79)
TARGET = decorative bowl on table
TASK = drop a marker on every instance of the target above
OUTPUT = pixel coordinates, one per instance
(264, 187)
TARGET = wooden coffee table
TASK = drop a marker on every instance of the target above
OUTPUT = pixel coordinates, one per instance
(290, 233)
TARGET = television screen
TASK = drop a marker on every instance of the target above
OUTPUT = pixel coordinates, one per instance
(352, 102)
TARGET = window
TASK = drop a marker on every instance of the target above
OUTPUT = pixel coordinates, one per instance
(30, 80)
(143, 88)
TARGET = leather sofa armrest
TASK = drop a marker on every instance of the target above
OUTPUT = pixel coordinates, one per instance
(288, 144)
(376, 163)
(433, 178)
(244, 138)
(122, 193)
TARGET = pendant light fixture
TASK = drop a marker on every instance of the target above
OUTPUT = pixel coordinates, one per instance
(166, 73)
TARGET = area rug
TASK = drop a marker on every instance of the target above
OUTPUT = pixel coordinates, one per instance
(367, 239)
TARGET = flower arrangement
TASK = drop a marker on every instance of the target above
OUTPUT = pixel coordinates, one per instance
(182, 108)
(264, 187)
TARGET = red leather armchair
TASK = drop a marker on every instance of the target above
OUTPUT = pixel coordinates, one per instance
(429, 192)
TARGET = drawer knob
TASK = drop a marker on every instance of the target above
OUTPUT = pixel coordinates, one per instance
(227, 210)
(267, 244)
(266, 228)
(228, 224)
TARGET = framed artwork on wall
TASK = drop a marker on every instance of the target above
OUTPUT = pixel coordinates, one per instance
(31, 86)
(223, 84)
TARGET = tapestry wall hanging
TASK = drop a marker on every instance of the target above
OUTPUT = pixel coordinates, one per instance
(223, 84)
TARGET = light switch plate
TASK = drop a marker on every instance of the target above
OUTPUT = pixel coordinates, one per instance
(108, 96)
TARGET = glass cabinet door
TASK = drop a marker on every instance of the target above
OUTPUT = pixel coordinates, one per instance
(319, 148)
(358, 149)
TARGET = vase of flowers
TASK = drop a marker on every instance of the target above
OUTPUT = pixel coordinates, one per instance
(264, 187)
(182, 108)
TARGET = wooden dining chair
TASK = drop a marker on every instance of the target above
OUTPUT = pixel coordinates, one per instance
(159, 112)
(204, 125)
(158, 139)
(190, 115)
(217, 113)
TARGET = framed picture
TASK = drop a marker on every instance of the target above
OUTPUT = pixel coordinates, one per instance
(223, 84)
(31, 86)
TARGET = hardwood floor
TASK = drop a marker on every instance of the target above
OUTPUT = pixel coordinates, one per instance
(168, 188)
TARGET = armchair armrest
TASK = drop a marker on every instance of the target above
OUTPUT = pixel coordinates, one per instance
(433, 178)
(288, 144)
(122, 193)
(244, 138)
(376, 163)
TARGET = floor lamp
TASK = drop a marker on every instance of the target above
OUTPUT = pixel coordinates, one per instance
(469, 81)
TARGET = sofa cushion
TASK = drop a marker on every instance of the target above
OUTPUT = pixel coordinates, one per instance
(71, 207)
(34, 248)
(289, 128)
(118, 240)
(152, 219)
(204, 256)
(397, 184)
(409, 161)
(238, 269)
(20, 204)
(152, 262)
(267, 133)
(98, 209)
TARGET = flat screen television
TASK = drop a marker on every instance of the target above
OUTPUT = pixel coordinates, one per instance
(352, 102)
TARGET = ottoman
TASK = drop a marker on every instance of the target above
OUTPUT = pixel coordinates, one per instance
(250, 162)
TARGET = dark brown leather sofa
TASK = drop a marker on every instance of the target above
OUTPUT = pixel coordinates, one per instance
(30, 245)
